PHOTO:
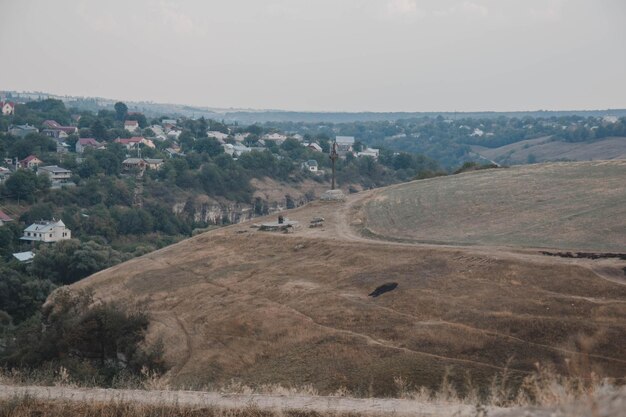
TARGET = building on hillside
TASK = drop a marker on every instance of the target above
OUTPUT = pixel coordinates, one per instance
(274, 137)
(174, 152)
(217, 135)
(22, 130)
(372, 152)
(55, 173)
(345, 145)
(310, 165)
(165, 122)
(47, 231)
(5, 173)
(30, 162)
(7, 107)
(133, 142)
(131, 125)
(24, 257)
(62, 146)
(54, 134)
(235, 150)
(4, 218)
(54, 125)
(88, 143)
(314, 146)
(240, 137)
(141, 164)
(153, 163)
(297, 137)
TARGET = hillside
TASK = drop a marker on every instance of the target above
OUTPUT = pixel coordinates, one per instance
(259, 307)
(545, 149)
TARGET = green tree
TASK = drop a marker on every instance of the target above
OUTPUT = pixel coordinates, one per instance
(24, 184)
(121, 111)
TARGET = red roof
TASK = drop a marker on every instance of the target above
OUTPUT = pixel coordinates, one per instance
(131, 122)
(51, 123)
(28, 159)
(88, 141)
(134, 139)
(4, 217)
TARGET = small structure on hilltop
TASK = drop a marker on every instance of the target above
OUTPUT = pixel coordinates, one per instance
(283, 224)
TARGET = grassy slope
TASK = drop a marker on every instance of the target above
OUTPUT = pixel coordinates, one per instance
(293, 309)
(544, 149)
(567, 205)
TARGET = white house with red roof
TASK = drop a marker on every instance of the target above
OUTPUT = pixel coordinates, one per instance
(54, 125)
(88, 143)
(30, 162)
(8, 108)
(131, 125)
(4, 218)
(133, 142)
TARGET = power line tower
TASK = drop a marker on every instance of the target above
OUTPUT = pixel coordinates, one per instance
(333, 157)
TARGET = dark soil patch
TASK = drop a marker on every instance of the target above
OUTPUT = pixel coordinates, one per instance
(587, 255)
(390, 286)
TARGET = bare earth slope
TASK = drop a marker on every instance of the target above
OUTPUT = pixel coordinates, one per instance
(260, 307)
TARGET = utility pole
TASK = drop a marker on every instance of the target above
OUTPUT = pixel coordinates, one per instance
(333, 157)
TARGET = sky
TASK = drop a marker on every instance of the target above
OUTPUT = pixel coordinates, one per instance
(322, 55)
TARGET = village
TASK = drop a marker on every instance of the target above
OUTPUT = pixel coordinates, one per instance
(145, 150)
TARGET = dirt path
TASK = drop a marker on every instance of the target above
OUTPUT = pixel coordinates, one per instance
(371, 406)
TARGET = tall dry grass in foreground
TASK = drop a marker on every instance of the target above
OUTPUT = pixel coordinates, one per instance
(27, 407)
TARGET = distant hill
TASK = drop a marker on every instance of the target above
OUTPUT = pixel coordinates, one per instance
(239, 304)
(249, 116)
(574, 206)
(546, 149)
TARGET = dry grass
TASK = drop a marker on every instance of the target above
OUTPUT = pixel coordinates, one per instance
(567, 205)
(263, 309)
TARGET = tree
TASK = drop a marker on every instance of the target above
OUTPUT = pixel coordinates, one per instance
(24, 184)
(121, 111)
(99, 130)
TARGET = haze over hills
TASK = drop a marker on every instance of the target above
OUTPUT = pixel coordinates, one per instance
(249, 116)
(258, 307)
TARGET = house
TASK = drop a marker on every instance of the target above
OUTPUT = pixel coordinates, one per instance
(152, 163)
(4, 218)
(131, 125)
(54, 133)
(22, 130)
(62, 147)
(4, 174)
(298, 137)
(55, 173)
(345, 144)
(133, 164)
(372, 152)
(235, 150)
(165, 122)
(140, 164)
(314, 146)
(217, 135)
(24, 257)
(174, 152)
(310, 165)
(7, 107)
(240, 137)
(47, 231)
(87, 143)
(30, 162)
(275, 137)
(131, 143)
(54, 125)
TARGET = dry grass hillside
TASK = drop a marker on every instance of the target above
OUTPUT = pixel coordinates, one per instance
(262, 307)
(545, 149)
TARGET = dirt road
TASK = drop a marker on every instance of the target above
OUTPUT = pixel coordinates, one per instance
(375, 406)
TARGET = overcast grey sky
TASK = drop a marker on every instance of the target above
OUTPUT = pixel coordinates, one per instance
(352, 55)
